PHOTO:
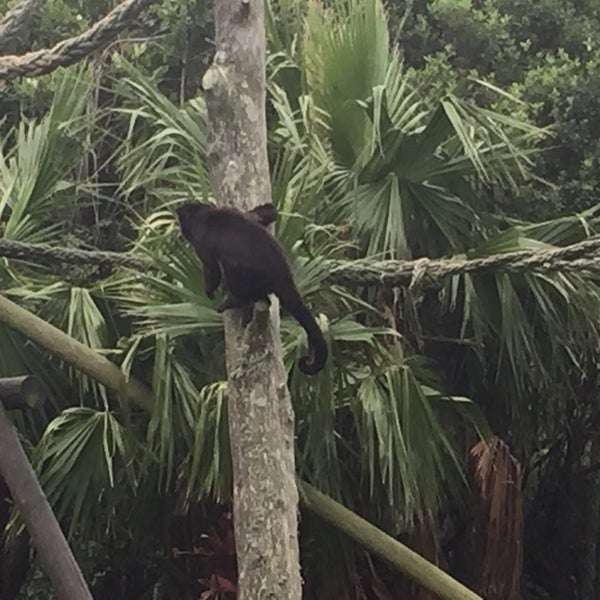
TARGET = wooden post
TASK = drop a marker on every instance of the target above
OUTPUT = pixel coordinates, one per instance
(21, 392)
(55, 555)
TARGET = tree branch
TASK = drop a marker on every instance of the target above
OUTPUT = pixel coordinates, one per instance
(25, 391)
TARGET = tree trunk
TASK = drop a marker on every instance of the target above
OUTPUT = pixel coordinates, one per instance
(261, 419)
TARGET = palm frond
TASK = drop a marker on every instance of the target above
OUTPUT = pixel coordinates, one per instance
(346, 53)
(36, 158)
(210, 464)
(172, 424)
(84, 460)
(165, 146)
(529, 324)
(407, 454)
(301, 162)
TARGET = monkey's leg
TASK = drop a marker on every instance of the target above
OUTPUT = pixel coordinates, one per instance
(247, 314)
(212, 275)
(248, 309)
(232, 301)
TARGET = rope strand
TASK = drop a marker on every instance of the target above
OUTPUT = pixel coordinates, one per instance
(580, 257)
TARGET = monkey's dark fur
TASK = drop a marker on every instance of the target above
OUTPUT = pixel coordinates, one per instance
(237, 247)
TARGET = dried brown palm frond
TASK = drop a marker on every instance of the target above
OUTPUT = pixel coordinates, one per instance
(497, 526)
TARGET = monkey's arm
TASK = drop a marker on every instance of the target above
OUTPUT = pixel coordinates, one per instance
(265, 214)
(212, 275)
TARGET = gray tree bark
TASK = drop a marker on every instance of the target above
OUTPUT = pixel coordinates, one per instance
(261, 419)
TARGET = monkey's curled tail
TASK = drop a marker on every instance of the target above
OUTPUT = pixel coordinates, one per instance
(292, 302)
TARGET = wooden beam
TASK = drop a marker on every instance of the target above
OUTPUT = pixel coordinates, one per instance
(54, 553)
(25, 391)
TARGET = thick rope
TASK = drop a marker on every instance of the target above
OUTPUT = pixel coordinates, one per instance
(14, 21)
(580, 257)
(44, 254)
(73, 49)
(391, 273)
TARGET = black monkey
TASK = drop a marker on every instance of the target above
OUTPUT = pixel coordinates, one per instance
(237, 247)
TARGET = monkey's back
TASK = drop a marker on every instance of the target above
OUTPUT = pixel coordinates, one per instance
(245, 244)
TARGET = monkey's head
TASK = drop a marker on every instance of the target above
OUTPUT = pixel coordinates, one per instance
(189, 213)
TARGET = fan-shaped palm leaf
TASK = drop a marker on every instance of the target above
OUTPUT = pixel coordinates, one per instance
(165, 146)
(86, 459)
(36, 158)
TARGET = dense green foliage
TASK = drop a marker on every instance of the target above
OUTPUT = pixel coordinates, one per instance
(441, 128)
(546, 53)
